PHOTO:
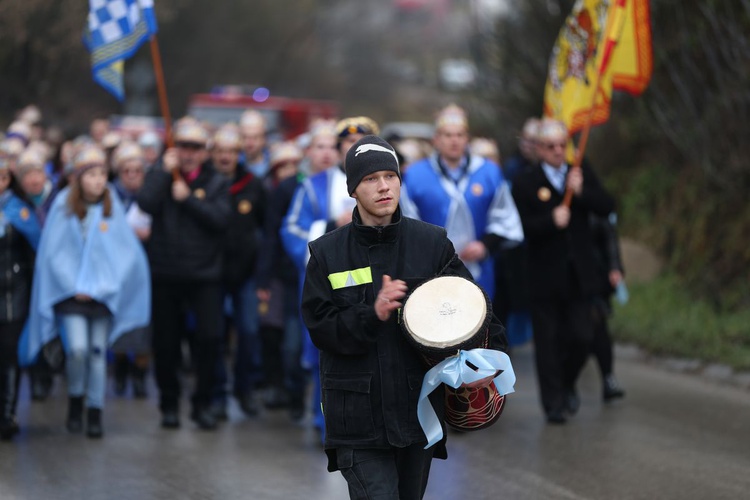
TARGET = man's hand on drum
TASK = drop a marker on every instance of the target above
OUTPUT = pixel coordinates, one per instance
(389, 297)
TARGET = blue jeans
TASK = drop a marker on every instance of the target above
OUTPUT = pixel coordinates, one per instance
(247, 370)
(86, 363)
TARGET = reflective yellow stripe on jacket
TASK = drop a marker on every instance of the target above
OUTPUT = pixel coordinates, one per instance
(354, 277)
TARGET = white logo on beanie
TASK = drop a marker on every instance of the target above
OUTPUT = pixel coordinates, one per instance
(375, 147)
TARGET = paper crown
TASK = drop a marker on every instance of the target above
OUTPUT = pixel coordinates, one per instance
(451, 115)
(486, 148)
(30, 159)
(20, 129)
(149, 139)
(89, 156)
(323, 127)
(30, 114)
(552, 130)
(284, 152)
(228, 136)
(253, 119)
(111, 139)
(127, 150)
(357, 125)
(530, 128)
(188, 129)
(12, 146)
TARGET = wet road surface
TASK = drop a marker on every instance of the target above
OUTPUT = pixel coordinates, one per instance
(674, 436)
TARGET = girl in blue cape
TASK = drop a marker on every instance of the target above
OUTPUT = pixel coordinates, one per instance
(92, 272)
(19, 237)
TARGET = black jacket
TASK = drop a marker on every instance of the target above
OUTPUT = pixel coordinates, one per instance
(16, 274)
(243, 237)
(273, 262)
(561, 261)
(370, 375)
(606, 252)
(187, 238)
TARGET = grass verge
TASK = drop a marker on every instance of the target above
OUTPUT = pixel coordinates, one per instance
(664, 319)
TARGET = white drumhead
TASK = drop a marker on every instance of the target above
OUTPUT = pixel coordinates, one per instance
(444, 312)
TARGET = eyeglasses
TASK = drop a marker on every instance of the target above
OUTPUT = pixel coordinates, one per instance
(128, 171)
(193, 146)
(552, 146)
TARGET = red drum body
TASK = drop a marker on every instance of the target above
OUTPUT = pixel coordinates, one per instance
(440, 317)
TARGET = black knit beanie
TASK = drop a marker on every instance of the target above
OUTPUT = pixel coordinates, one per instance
(368, 155)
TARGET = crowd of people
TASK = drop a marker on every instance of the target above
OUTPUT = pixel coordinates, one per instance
(154, 255)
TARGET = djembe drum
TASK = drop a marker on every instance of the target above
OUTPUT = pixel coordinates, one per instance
(440, 317)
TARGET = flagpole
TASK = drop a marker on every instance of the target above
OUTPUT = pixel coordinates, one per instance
(615, 22)
(161, 88)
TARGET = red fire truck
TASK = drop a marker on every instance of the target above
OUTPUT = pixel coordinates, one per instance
(286, 117)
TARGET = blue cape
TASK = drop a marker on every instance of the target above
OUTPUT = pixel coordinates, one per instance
(110, 266)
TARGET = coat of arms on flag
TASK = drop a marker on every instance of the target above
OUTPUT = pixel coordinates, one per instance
(115, 30)
(604, 41)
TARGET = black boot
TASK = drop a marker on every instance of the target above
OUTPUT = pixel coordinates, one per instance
(121, 368)
(297, 407)
(75, 414)
(41, 381)
(139, 383)
(94, 423)
(8, 391)
(611, 389)
(203, 417)
(276, 398)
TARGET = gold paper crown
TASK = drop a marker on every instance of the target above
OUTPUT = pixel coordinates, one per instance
(89, 155)
(322, 127)
(127, 150)
(30, 114)
(12, 146)
(31, 159)
(486, 148)
(531, 128)
(189, 129)
(253, 119)
(20, 129)
(228, 136)
(451, 115)
(552, 130)
(111, 139)
(357, 125)
(284, 152)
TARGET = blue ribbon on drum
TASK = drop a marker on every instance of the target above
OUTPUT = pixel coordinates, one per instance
(454, 372)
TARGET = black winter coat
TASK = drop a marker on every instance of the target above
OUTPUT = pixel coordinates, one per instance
(16, 274)
(561, 261)
(370, 375)
(187, 238)
(243, 237)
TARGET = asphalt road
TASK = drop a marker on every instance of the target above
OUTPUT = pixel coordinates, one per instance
(674, 436)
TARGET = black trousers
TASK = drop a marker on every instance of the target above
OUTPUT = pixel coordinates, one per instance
(389, 474)
(169, 303)
(9, 335)
(562, 342)
(601, 346)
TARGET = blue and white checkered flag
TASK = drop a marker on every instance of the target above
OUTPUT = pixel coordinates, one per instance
(116, 28)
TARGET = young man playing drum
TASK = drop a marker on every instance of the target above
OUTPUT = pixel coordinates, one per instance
(358, 277)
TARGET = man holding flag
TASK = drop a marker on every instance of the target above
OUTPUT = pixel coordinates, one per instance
(115, 31)
(604, 44)
(562, 278)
